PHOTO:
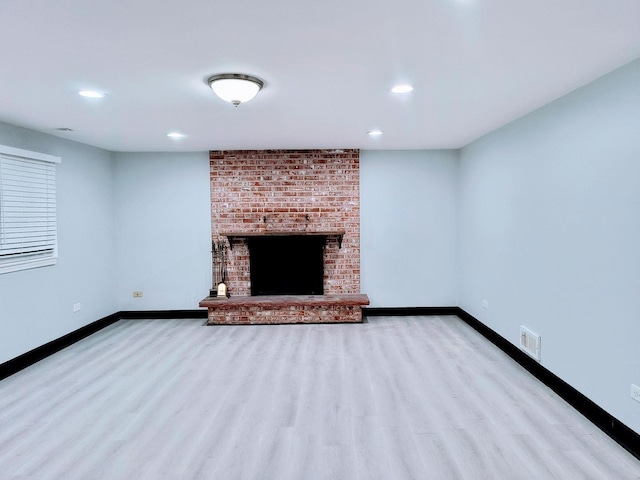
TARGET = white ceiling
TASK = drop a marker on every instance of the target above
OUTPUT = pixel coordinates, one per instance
(328, 67)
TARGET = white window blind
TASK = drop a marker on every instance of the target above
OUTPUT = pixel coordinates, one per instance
(28, 234)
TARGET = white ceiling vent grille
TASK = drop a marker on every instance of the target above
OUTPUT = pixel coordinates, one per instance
(530, 343)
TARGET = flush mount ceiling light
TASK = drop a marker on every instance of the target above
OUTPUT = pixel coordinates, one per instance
(235, 88)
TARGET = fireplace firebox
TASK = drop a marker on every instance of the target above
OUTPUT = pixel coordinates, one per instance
(287, 265)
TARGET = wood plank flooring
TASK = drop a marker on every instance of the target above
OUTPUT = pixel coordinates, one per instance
(396, 398)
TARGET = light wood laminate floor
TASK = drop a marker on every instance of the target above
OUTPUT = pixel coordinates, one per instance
(396, 398)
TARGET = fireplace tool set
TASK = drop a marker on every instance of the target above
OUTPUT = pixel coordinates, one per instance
(219, 259)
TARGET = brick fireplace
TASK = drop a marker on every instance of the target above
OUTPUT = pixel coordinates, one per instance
(258, 196)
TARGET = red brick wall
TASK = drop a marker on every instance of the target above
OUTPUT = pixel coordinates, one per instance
(289, 191)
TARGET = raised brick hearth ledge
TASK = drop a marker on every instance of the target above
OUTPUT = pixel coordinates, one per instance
(275, 309)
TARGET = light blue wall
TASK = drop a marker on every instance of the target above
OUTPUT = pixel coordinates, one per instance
(36, 306)
(408, 227)
(163, 230)
(549, 235)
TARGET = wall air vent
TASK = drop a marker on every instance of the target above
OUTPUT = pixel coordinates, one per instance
(530, 343)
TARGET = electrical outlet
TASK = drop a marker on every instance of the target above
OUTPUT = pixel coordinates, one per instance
(485, 304)
(76, 307)
(635, 392)
(137, 294)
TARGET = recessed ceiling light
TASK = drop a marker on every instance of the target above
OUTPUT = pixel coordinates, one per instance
(374, 133)
(175, 135)
(91, 94)
(404, 88)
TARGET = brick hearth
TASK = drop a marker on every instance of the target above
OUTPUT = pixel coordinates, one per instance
(286, 309)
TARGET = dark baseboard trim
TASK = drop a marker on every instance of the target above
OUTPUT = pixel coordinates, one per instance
(26, 359)
(407, 311)
(618, 431)
(21, 362)
(162, 314)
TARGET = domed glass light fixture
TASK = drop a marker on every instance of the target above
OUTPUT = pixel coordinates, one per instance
(235, 88)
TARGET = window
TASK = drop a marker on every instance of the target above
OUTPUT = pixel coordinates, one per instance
(28, 237)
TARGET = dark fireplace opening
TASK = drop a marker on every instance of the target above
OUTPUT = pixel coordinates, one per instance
(287, 265)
